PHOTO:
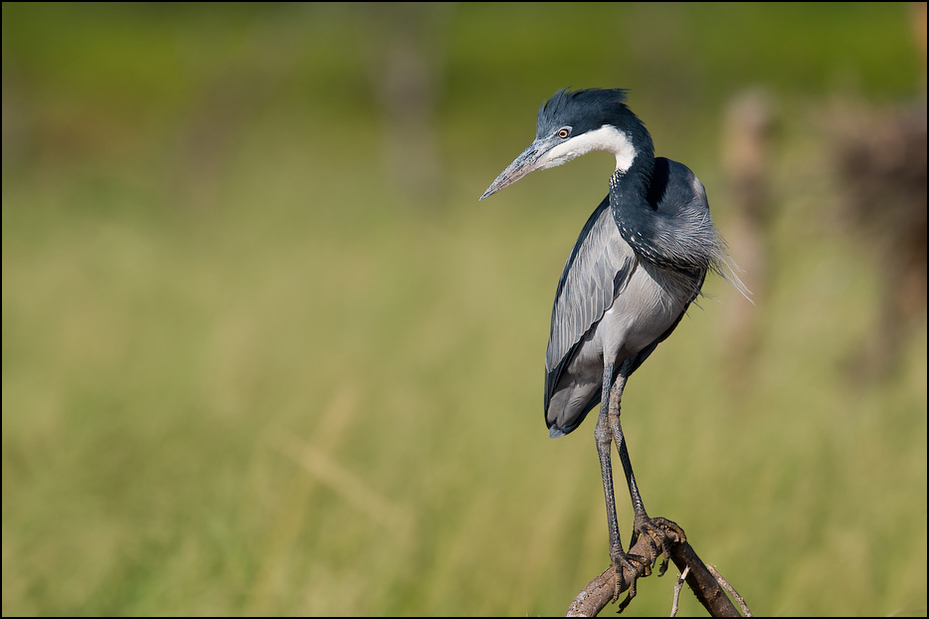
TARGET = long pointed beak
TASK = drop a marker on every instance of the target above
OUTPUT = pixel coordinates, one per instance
(530, 160)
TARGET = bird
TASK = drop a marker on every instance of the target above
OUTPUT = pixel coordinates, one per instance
(638, 264)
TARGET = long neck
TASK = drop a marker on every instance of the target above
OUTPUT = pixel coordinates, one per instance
(635, 217)
(663, 217)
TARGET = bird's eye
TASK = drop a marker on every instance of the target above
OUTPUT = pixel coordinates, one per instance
(564, 132)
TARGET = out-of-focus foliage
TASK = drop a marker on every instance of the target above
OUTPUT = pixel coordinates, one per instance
(265, 353)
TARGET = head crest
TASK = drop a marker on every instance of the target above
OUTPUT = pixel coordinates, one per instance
(587, 97)
(591, 103)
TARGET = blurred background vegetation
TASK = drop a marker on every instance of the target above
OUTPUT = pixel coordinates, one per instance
(265, 353)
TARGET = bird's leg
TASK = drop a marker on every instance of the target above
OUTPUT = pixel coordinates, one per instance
(604, 437)
(655, 528)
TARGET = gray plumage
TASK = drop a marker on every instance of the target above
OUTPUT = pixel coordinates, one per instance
(638, 264)
(619, 300)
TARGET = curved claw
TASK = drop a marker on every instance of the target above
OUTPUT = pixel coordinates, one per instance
(622, 560)
(658, 531)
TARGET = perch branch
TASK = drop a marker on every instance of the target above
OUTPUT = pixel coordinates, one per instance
(601, 590)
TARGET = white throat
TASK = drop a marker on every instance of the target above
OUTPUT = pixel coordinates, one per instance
(607, 138)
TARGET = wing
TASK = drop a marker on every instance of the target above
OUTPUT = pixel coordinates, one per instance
(597, 270)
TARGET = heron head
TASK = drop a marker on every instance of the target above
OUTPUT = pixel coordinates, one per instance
(572, 124)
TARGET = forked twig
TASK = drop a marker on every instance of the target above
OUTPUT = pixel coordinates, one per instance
(677, 591)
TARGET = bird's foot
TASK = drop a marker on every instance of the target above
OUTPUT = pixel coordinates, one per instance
(660, 533)
(634, 565)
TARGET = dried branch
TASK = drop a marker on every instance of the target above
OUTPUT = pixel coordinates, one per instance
(731, 590)
(603, 589)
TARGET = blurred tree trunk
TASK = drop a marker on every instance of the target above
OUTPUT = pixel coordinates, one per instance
(405, 56)
(747, 132)
(881, 159)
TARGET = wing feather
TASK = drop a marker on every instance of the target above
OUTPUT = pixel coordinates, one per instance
(597, 270)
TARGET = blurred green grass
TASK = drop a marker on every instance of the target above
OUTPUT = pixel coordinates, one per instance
(244, 374)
